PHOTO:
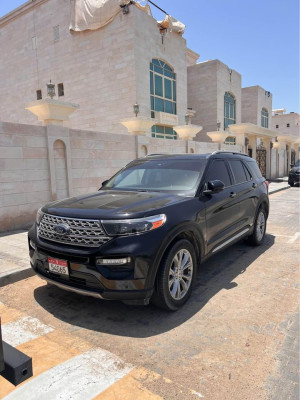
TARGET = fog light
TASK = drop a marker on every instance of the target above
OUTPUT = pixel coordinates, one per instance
(32, 245)
(113, 261)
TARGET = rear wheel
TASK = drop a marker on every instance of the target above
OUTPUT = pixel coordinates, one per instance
(292, 183)
(259, 230)
(176, 276)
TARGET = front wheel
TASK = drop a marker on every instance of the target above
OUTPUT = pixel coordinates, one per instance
(176, 276)
(291, 183)
(259, 230)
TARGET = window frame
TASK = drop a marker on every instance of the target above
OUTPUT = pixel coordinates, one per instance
(264, 117)
(229, 99)
(210, 164)
(159, 69)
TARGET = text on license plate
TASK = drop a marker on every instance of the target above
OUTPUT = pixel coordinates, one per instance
(58, 266)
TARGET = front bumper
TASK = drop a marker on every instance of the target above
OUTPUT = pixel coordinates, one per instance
(128, 283)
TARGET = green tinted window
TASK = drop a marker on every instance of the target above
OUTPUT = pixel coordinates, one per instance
(229, 110)
(162, 94)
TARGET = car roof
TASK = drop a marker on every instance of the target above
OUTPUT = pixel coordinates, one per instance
(216, 154)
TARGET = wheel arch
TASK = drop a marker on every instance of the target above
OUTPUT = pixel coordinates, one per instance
(188, 232)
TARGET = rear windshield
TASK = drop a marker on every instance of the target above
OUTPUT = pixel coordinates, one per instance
(181, 176)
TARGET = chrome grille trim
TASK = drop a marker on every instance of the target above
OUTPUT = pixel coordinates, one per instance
(83, 232)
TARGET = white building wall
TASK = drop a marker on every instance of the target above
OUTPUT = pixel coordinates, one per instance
(105, 71)
(254, 98)
(293, 119)
(207, 83)
(148, 45)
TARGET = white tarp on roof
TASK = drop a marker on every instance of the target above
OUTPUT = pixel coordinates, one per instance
(172, 23)
(93, 14)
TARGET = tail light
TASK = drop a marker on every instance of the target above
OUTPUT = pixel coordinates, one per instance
(267, 183)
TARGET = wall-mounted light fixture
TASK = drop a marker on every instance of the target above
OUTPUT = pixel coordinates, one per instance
(218, 126)
(136, 109)
(246, 141)
(187, 118)
(51, 89)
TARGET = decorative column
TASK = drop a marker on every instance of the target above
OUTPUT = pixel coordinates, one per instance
(138, 125)
(187, 132)
(52, 112)
(219, 137)
(252, 143)
(55, 114)
(267, 145)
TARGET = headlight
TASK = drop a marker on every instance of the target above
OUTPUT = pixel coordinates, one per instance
(132, 226)
(39, 216)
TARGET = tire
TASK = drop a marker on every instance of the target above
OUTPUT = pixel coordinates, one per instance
(292, 183)
(259, 230)
(173, 286)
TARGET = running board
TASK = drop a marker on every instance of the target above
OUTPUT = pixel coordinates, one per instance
(230, 240)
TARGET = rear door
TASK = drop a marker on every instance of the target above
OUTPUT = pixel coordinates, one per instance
(222, 209)
(244, 187)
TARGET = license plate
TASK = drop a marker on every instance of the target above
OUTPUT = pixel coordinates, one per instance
(58, 266)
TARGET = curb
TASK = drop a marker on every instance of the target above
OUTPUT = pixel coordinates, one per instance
(16, 276)
(279, 190)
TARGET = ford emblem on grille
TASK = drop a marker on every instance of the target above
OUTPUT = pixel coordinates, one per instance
(62, 229)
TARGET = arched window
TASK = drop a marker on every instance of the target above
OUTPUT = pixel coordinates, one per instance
(229, 110)
(230, 140)
(162, 95)
(264, 118)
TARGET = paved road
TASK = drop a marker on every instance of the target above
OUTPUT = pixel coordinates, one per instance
(237, 338)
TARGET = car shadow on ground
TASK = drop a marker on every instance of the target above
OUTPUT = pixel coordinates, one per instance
(116, 318)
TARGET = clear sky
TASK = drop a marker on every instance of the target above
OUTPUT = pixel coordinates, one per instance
(257, 38)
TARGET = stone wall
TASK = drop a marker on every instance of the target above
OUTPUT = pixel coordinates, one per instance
(41, 164)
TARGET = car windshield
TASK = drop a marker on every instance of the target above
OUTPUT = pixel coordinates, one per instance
(297, 163)
(181, 176)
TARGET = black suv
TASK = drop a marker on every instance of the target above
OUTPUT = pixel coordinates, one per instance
(143, 234)
(294, 174)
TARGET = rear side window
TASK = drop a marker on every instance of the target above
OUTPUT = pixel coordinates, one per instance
(238, 171)
(254, 168)
(248, 174)
(218, 170)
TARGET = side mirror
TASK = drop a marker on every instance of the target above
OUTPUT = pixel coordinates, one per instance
(103, 184)
(214, 187)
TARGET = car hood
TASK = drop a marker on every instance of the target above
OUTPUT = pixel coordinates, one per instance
(113, 204)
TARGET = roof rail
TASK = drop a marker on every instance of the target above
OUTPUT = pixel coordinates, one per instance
(230, 152)
(157, 154)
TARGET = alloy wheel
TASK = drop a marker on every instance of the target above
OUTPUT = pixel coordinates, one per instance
(180, 274)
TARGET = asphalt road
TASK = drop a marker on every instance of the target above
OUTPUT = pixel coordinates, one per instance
(237, 337)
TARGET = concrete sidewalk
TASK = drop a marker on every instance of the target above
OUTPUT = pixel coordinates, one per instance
(14, 257)
(276, 185)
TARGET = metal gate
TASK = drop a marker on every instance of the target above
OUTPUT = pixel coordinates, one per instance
(261, 157)
(293, 157)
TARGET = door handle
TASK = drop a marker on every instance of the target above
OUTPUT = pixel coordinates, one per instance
(232, 194)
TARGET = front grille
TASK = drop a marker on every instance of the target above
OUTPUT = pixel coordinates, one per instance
(83, 232)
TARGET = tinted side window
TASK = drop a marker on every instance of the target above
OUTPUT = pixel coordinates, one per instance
(254, 168)
(248, 174)
(238, 171)
(218, 170)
